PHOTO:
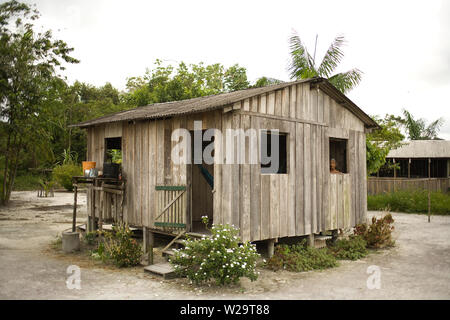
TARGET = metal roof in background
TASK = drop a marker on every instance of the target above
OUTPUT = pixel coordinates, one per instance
(422, 149)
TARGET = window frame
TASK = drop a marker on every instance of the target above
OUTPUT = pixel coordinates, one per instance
(286, 136)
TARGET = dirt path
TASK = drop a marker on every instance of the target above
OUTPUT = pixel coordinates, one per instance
(418, 268)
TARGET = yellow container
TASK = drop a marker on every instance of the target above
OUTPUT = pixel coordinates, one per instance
(88, 165)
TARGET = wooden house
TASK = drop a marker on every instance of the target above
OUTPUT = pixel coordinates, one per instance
(316, 122)
(420, 164)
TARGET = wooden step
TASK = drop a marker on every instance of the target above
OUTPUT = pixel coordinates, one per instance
(168, 253)
(166, 270)
(197, 235)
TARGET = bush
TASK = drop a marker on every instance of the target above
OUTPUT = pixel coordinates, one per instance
(27, 181)
(301, 257)
(379, 233)
(90, 238)
(63, 174)
(412, 201)
(353, 248)
(219, 257)
(119, 247)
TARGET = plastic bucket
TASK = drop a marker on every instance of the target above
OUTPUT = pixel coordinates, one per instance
(88, 165)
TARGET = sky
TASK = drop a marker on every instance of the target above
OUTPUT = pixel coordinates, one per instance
(403, 47)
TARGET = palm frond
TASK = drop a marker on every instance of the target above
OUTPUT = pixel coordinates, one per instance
(413, 127)
(431, 131)
(332, 58)
(302, 64)
(418, 130)
(346, 81)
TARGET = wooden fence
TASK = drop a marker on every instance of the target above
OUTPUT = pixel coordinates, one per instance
(171, 203)
(105, 201)
(377, 185)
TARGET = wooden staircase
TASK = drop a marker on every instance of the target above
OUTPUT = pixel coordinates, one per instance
(165, 269)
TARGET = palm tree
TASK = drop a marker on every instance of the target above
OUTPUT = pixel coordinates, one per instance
(418, 130)
(303, 65)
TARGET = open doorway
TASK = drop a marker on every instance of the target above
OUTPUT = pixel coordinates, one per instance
(202, 185)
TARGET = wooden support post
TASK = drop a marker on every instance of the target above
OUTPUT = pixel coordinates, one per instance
(395, 177)
(409, 168)
(93, 207)
(144, 240)
(311, 240)
(151, 244)
(122, 198)
(429, 191)
(270, 247)
(75, 195)
(334, 235)
(395, 170)
(100, 209)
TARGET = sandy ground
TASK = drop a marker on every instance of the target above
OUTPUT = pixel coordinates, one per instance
(417, 268)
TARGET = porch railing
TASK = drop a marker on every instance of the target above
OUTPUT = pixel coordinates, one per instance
(171, 204)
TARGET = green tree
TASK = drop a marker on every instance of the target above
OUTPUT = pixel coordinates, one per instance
(380, 142)
(303, 65)
(235, 78)
(28, 62)
(167, 83)
(418, 130)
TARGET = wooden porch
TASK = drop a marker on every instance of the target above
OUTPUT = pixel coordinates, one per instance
(105, 200)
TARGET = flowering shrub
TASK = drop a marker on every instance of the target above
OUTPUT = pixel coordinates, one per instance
(219, 257)
(120, 247)
(379, 233)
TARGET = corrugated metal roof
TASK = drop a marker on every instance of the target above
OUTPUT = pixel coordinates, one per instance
(422, 149)
(218, 101)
